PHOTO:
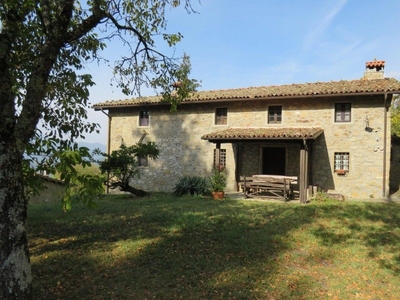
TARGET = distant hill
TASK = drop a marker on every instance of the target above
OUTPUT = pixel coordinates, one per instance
(90, 146)
(93, 146)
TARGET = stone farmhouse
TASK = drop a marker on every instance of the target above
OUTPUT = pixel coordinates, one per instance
(331, 135)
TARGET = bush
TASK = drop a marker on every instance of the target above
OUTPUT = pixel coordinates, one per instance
(191, 185)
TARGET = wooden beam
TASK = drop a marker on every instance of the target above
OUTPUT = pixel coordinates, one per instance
(218, 156)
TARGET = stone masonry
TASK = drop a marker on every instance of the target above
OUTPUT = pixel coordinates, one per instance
(183, 152)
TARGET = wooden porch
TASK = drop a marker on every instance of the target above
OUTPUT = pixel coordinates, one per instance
(270, 186)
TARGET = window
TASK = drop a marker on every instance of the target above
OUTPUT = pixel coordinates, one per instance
(342, 112)
(144, 117)
(143, 161)
(342, 160)
(275, 114)
(221, 116)
(222, 159)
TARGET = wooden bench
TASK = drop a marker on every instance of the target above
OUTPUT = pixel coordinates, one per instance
(268, 186)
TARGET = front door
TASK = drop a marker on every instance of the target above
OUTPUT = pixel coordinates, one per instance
(274, 160)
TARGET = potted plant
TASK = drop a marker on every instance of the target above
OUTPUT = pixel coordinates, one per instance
(218, 183)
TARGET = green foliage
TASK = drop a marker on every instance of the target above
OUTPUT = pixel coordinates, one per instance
(83, 179)
(121, 165)
(93, 169)
(44, 49)
(182, 88)
(44, 96)
(395, 116)
(82, 186)
(218, 180)
(322, 197)
(191, 185)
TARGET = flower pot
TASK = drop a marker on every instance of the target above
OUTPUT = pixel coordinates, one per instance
(218, 195)
(341, 172)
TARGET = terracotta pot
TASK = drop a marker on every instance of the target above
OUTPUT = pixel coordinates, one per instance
(341, 172)
(218, 195)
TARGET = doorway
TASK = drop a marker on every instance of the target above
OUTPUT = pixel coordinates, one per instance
(274, 160)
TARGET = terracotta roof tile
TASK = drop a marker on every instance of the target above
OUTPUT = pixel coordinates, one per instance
(265, 133)
(321, 89)
(375, 63)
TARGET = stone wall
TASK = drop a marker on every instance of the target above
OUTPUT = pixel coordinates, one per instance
(53, 192)
(183, 152)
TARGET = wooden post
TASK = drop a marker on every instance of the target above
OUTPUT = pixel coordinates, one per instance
(301, 177)
(244, 186)
(237, 166)
(305, 172)
(303, 180)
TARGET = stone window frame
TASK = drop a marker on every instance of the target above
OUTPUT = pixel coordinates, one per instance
(143, 162)
(341, 162)
(142, 120)
(343, 112)
(221, 116)
(277, 111)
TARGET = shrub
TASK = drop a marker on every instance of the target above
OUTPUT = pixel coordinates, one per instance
(191, 185)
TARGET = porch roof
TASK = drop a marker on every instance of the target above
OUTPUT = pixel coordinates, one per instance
(265, 133)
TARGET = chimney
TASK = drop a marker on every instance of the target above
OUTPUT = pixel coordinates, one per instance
(374, 69)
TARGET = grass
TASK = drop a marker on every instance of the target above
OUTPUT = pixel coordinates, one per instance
(164, 247)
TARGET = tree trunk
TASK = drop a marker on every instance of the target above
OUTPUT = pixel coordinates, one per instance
(127, 188)
(137, 192)
(15, 269)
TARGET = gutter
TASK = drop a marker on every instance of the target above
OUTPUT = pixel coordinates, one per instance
(385, 125)
(108, 144)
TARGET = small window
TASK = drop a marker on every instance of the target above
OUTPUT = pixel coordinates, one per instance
(275, 114)
(342, 112)
(144, 118)
(143, 162)
(342, 160)
(222, 159)
(221, 116)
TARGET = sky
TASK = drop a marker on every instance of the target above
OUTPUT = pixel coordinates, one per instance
(237, 44)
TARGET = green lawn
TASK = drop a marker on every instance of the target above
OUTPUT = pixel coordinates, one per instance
(163, 247)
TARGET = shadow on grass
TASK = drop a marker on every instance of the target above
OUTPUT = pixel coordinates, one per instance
(189, 248)
(375, 225)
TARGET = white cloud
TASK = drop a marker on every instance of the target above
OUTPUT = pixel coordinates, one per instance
(323, 24)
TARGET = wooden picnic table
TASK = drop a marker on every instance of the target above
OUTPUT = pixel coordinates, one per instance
(268, 186)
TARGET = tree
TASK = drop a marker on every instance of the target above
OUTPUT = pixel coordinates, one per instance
(44, 47)
(395, 116)
(122, 166)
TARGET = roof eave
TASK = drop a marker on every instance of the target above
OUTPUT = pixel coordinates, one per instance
(102, 107)
(255, 139)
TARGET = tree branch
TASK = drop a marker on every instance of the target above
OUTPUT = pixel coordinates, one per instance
(36, 87)
(87, 24)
